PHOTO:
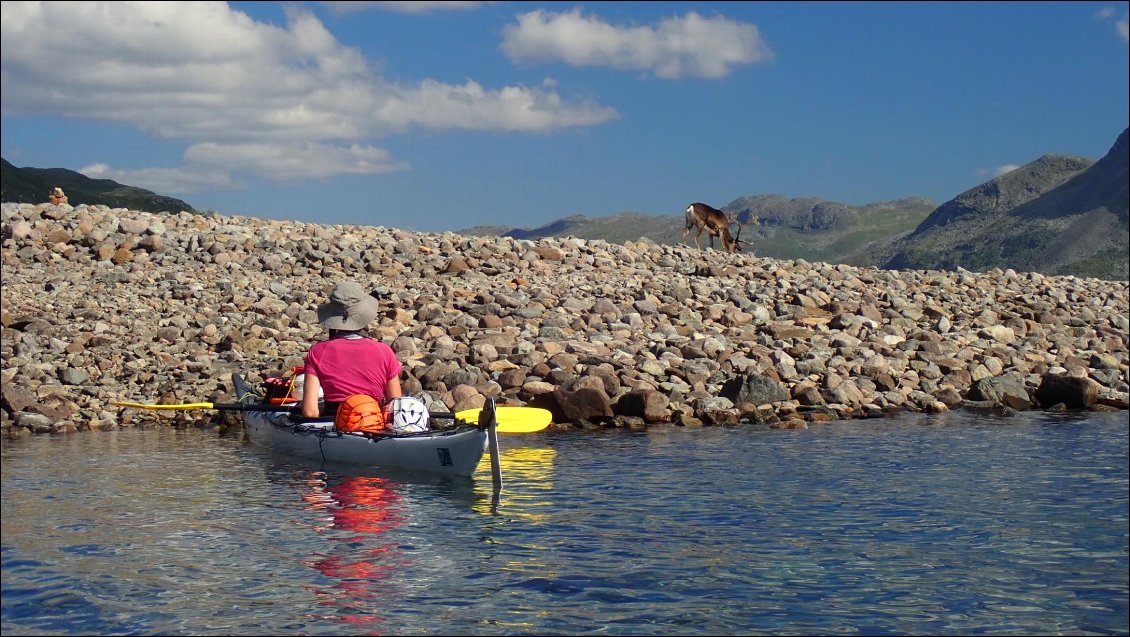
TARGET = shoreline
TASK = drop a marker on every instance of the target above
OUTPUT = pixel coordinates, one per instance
(104, 304)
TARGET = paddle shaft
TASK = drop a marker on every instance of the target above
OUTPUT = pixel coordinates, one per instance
(293, 409)
(510, 419)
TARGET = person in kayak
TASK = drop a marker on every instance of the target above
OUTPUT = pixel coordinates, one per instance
(349, 362)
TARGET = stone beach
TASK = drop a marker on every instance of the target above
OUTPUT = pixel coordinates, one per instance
(104, 305)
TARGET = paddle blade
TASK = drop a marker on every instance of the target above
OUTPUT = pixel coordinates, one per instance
(180, 406)
(512, 420)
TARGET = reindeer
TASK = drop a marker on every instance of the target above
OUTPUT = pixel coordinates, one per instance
(715, 222)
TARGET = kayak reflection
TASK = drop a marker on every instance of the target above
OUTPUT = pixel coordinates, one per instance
(357, 561)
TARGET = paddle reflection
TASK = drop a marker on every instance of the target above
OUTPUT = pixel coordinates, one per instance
(358, 560)
(527, 477)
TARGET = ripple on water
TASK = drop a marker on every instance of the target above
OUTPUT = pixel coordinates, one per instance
(908, 526)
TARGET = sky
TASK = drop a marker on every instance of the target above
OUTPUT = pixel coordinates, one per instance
(437, 116)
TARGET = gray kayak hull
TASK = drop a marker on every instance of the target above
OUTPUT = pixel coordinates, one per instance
(456, 452)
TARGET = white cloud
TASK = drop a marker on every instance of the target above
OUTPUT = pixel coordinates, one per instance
(245, 85)
(173, 181)
(692, 45)
(512, 108)
(1121, 25)
(294, 161)
(407, 6)
(209, 165)
(993, 173)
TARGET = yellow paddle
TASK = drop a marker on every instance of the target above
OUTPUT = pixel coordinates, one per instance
(510, 419)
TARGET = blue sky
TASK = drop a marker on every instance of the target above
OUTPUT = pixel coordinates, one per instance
(443, 116)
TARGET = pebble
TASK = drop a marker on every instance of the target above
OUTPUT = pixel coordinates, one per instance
(105, 304)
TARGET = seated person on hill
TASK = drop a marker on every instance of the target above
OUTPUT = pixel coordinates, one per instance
(57, 197)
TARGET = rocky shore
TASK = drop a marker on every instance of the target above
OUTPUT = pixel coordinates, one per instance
(105, 304)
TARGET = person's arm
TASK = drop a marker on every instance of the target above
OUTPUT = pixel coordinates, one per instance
(310, 387)
(392, 388)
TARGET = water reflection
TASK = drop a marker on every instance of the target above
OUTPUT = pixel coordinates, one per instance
(365, 522)
(527, 477)
(964, 527)
(360, 556)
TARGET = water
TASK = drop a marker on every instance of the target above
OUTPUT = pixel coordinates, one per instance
(947, 524)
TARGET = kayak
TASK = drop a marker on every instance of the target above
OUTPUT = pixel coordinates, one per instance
(455, 451)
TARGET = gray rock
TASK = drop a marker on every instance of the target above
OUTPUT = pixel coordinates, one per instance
(110, 304)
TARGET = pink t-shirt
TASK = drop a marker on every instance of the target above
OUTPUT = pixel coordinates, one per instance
(347, 366)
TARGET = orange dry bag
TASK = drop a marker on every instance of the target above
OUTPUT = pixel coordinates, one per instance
(360, 413)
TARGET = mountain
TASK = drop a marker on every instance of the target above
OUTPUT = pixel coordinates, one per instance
(1056, 215)
(820, 230)
(625, 226)
(31, 185)
(808, 228)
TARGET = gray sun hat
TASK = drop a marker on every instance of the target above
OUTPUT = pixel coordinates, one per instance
(350, 308)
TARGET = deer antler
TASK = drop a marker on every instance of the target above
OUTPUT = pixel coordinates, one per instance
(739, 241)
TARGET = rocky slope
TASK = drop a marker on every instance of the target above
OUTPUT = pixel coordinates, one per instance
(1057, 215)
(104, 304)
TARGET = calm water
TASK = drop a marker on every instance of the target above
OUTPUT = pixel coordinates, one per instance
(918, 525)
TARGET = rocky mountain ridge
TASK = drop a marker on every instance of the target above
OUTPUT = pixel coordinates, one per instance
(1058, 214)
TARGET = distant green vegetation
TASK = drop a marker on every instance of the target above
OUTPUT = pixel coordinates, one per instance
(31, 185)
(857, 245)
(1108, 264)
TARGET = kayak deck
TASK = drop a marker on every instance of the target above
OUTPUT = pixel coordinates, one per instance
(455, 451)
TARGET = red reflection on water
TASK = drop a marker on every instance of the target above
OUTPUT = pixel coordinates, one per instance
(357, 561)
